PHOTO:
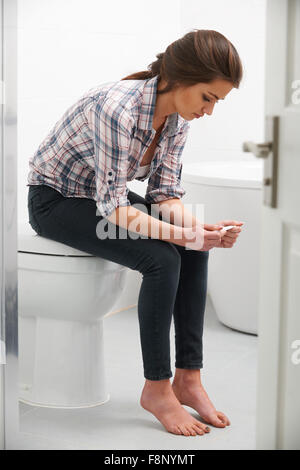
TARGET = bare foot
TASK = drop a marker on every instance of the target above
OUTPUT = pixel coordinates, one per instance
(190, 392)
(158, 398)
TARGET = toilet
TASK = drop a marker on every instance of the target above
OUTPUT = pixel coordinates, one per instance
(63, 296)
(231, 190)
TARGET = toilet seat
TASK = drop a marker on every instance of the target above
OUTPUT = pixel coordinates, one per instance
(30, 242)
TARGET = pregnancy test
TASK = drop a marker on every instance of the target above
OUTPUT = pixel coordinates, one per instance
(228, 227)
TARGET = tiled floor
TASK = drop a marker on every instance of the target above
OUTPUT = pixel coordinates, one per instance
(229, 376)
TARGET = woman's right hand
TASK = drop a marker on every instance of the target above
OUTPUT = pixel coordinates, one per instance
(197, 238)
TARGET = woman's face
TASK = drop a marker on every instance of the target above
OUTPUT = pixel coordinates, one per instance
(199, 99)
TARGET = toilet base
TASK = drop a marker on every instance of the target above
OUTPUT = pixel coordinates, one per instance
(61, 363)
(40, 405)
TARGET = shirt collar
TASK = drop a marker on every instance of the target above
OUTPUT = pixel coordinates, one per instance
(174, 121)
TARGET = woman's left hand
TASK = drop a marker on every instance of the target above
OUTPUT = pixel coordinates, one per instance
(230, 236)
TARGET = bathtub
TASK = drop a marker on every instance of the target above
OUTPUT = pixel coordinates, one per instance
(231, 190)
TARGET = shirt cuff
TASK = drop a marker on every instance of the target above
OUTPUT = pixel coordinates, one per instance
(107, 208)
(157, 195)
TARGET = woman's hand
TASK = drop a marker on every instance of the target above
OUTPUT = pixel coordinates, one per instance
(229, 237)
(203, 238)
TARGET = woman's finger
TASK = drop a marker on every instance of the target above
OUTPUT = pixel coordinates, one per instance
(212, 226)
(226, 245)
(230, 236)
(215, 235)
(230, 222)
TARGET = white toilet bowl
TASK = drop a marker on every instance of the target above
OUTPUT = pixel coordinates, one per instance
(230, 190)
(63, 296)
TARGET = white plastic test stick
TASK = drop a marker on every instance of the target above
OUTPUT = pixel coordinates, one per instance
(228, 227)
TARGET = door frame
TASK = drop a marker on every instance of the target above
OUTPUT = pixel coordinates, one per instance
(9, 222)
(274, 427)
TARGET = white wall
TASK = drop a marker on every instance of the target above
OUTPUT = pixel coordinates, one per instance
(240, 116)
(66, 47)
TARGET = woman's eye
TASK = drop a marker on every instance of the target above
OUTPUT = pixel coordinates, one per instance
(205, 98)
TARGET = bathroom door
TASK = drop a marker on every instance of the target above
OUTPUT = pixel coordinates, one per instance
(278, 386)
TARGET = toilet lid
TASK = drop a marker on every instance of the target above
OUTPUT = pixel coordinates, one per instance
(30, 242)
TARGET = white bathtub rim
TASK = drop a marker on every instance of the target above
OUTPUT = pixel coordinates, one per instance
(203, 173)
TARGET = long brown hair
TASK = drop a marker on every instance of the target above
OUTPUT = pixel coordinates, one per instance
(202, 55)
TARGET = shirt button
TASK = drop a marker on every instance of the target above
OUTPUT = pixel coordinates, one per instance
(110, 173)
(109, 181)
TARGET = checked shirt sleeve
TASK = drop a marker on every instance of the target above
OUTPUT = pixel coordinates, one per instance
(111, 126)
(165, 182)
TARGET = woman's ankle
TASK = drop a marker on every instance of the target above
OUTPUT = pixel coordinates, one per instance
(154, 383)
(185, 376)
(158, 385)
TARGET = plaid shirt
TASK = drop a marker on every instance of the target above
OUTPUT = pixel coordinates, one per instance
(98, 144)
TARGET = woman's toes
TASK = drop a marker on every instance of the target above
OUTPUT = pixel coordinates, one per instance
(198, 429)
(192, 431)
(202, 426)
(184, 430)
(223, 418)
(215, 421)
(180, 429)
(188, 430)
(177, 430)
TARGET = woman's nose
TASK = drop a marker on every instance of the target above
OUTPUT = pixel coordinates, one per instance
(209, 109)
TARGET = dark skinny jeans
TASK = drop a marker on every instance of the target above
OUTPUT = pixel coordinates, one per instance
(174, 279)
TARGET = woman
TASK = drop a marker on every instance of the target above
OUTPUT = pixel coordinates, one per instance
(137, 128)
